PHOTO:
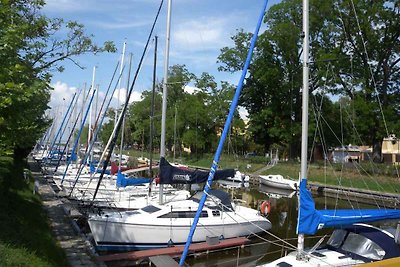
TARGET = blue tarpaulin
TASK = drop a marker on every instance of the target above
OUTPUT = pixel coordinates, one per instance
(310, 219)
(122, 181)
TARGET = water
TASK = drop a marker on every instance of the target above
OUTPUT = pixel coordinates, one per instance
(283, 217)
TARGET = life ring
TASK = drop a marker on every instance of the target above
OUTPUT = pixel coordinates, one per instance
(265, 208)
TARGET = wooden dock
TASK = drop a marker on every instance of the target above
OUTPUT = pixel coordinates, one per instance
(389, 200)
(173, 251)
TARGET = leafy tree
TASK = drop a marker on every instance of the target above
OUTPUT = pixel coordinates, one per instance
(360, 63)
(200, 116)
(30, 51)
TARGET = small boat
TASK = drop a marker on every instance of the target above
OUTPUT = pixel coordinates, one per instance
(278, 181)
(276, 193)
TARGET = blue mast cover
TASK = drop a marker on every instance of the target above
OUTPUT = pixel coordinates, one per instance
(311, 220)
(122, 181)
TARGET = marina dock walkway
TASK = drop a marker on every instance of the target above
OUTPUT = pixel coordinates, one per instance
(77, 249)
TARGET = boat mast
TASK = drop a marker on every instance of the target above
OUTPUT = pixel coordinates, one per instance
(232, 109)
(165, 93)
(152, 108)
(91, 113)
(304, 122)
(119, 83)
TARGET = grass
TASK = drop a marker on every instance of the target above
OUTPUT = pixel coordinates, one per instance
(362, 178)
(376, 177)
(25, 237)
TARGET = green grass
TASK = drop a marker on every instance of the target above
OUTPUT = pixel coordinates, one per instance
(362, 178)
(376, 177)
(25, 237)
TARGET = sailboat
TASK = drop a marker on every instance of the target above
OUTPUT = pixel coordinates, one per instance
(165, 224)
(353, 242)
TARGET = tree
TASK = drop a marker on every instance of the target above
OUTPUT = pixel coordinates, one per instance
(200, 116)
(360, 63)
(29, 52)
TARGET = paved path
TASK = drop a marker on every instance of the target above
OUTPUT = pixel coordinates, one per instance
(77, 249)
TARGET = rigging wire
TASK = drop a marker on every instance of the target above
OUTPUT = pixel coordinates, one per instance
(119, 123)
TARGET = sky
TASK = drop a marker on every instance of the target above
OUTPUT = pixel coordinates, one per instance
(199, 29)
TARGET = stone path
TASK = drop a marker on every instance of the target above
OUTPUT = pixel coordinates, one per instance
(78, 250)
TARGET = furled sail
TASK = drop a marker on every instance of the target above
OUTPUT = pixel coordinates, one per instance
(311, 220)
(175, 175)
(122, 181)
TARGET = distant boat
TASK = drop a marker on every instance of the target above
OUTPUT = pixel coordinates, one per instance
(275, 192)
(278, 181)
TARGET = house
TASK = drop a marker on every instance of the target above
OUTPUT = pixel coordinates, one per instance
(391, 149)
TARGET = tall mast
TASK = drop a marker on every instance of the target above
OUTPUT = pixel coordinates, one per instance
(152, 107)
(123, 121)
(304, 122)
(165, 94)
(119, 81)
(91, 112)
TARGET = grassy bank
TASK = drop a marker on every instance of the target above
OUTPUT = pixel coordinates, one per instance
(377, 177)
(25, 236)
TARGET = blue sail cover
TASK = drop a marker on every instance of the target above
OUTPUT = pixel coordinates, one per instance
(311, 220)
(94, 170)
(122, 181)
(73, 156)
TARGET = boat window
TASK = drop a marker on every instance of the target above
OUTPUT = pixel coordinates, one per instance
(284, 264)
(363, 246)
(216, 213)
(183, 214)
(337, 238)
(150, 209)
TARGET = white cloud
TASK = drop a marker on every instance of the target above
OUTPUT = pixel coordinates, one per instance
(62, 95)
(135, 97)
(191, 89)
(115, 25)
(67, 5)
(200, 34)
(244, 114)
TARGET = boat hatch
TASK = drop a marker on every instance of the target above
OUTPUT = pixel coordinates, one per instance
(150, 209)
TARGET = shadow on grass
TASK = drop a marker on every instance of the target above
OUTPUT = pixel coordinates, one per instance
(25, 236)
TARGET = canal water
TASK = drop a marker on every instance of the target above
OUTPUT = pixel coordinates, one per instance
(283, 217)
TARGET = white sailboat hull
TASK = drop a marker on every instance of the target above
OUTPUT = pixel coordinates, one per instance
(143, 230)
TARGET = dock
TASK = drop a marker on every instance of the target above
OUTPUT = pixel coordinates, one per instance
(173, 251)
(78, 250)
(389, 200)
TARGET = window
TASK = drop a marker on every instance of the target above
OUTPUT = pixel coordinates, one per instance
(363, 246)
(337, 238)
(215, 213)
(183, 214)
(150, 209)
